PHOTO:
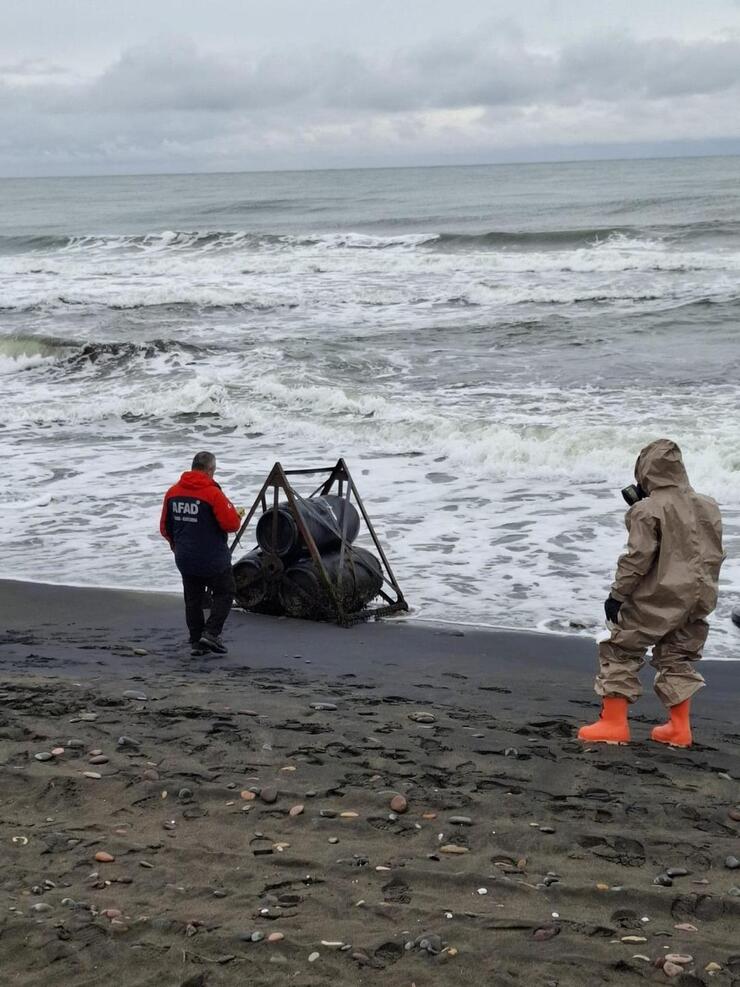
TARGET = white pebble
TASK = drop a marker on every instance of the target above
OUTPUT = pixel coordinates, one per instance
(313, 957)
(448, 914)
(482, 890)
(556, 914)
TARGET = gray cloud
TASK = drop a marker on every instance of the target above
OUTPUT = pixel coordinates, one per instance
(170, 100)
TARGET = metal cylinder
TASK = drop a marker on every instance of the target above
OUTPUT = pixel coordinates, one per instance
(323, 517)
(303, 593)
(255, 591)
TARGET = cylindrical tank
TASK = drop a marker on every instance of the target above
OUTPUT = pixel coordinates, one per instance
(254, 590)
(302, 592)
(322, 516)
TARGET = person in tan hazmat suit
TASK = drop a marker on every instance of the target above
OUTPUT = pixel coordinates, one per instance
(665, 587)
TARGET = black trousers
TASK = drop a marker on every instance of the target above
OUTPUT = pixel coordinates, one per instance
(222, 588)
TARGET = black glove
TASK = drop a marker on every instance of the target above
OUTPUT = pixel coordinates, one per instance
(612, 608)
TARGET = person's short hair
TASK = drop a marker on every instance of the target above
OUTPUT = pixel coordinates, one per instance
(204, 461)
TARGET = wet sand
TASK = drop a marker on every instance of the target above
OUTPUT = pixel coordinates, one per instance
(519, 857)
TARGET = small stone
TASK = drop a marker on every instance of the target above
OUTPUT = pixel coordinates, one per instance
(547, 829)
(422, 717)
(94, 752)
(686, 927)
(672, 969)
(399, 803)
(127, 742)
(663, 881)
(324, 707)
(712, 967)
(103, 857)
(41, 906)
(140, 652)
(633, 939)
(57, 751)
(734, 814)
(313, 957)
(44, 756)
(732, 863)
(87, 717)
(269, 794)
(257, 936)
(247, 796)
(348, 815)
(150, 775)
(185, 794)
(75, 744)
(453, 848)
(112, 913)
(145, 863)
(546, 932)
(296, 810)
(334, 840)
(332, 943)
(602, 887)
(680, 958)
(482, 890)
(677, 872)
(133, 694)
(91, 774)
(99, 759)
(430, 815)
(275, 937)
(458, 820)
(328, 813)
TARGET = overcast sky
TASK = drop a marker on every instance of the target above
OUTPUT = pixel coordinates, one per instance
(116, 86)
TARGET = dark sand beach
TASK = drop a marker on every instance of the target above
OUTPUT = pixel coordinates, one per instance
(249, 796)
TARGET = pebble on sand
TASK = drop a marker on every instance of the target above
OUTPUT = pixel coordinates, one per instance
(453, 848)
(269, 794)
(680, 958)
(313, 957)
(732, 863)
(324, 707)
(672, 969)
(399, 803)
(275, 937)
(43, 756)
(103, 857)
(91, 774)
(422, 717)
(99, 759)
(57, 751)
(348, 815)
(296, 810)
(712, 967)
(248, 796)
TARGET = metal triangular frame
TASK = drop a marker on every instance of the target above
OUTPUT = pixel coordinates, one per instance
(339, 476)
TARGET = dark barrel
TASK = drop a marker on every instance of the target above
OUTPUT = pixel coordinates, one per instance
(302, 591)
(322, 516)
(254, 591)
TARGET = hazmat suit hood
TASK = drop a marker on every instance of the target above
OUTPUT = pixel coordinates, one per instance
(660, 464)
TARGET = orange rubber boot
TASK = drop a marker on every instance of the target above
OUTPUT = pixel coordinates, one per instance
(612, 726)
(677, 731)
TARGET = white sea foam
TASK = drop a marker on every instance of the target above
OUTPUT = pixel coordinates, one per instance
(491, 400)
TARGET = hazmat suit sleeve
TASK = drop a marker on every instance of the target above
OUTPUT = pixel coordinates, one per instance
(642, 547)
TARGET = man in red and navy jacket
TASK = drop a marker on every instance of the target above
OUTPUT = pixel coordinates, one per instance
(196, 518)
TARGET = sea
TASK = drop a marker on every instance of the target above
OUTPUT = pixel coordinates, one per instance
(488, 348)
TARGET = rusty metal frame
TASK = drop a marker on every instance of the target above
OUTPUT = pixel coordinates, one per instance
(339, 475)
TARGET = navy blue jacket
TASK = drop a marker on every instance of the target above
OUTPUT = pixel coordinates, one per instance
(196, 517)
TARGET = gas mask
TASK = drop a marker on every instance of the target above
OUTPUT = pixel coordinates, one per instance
(633, 493)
